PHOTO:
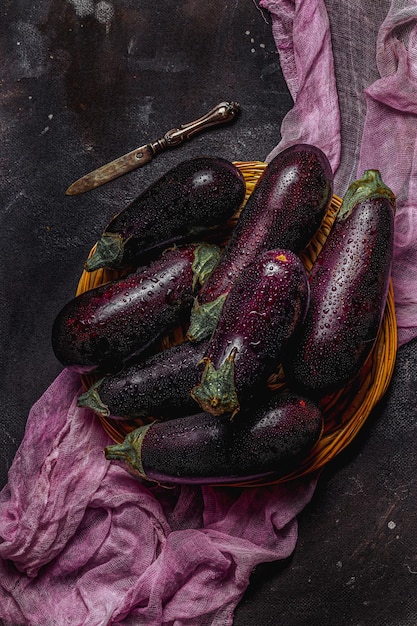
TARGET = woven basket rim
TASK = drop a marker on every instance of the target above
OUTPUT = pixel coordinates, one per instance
(346, 411)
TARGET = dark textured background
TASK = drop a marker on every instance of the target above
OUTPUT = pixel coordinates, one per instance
(84, 81)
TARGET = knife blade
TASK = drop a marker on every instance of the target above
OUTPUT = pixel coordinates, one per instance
(222, 113)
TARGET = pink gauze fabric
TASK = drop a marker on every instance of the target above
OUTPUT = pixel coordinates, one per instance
(84, 543)
(370, 120)
(301, 32)
(389, 143)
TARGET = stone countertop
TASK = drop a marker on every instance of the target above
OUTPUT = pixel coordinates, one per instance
(84, 82)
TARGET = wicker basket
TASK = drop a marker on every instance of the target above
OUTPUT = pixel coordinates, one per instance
(344, 412)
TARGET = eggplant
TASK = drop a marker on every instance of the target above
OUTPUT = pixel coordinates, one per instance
(159, 386)
(107, 326)
(263, 309)
(284, 211)
(270, 441)
(189, 200)
(348, 284)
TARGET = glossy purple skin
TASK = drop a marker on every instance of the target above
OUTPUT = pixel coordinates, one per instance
(348, 284)
(159, 386)
(106, 326)
(268, 440)
(284, 211)
(188, 200)
(262, 311)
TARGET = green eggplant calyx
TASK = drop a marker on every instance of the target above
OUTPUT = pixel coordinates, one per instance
(216, 392)
(204, 318)
(369, 186)
(206, 257)
(130, 450)
(91, 400)
(108, 253)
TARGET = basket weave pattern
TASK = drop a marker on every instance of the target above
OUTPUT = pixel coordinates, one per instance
(344, 412)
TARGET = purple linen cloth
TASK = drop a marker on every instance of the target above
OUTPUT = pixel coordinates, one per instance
(84, 543)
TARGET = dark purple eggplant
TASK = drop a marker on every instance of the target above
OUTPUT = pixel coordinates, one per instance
(262, 311)
(270, 440)
(105, 327)
(186, 202)
(159, 386)
(284, 211)
(349, 284)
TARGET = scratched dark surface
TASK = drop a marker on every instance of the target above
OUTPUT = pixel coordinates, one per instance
(84, 81)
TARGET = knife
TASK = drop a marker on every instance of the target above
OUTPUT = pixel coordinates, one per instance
(220, 114)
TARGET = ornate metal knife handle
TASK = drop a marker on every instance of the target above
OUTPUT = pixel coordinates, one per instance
(220, 114)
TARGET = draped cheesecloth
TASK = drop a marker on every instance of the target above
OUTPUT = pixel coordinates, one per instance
(352, 71)
(84, 543)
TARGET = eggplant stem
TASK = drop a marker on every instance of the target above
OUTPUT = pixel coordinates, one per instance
(91, 400)
(206, 257)
(204, 318)
(108, 253)
(216, 392)
(369, 186)
(130, 450)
